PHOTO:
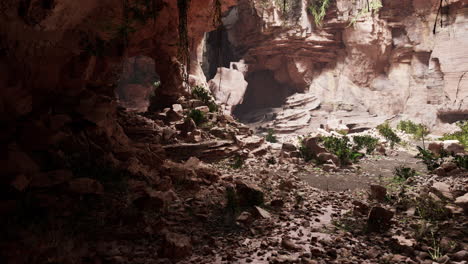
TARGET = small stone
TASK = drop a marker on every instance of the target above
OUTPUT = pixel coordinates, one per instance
(460, 255)
(379, 219)
(263, 213)
(249, 194)
(176, 246)
(86, 186)
(378, 192)
(289, 244)
(442, 189)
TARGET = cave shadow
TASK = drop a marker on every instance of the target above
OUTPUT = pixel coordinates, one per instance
(263, 92)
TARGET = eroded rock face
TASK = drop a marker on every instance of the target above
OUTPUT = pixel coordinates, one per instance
(384, 62)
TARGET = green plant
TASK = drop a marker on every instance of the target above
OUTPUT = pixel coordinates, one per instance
(197, 116)
(271, 161)
(461, 136)
(404, 173)
(430, 159)
(373, 6)
(429, 209)
(462, 161)
(270, 137)
(387, 132)
(341, 147)
(435, 252)
(318, 9)
(367, 142)
(203, 95)
(238, 162)
(419, 131)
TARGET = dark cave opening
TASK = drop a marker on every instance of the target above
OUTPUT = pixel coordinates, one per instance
(218, 52)
(137, 83)
(262, 92)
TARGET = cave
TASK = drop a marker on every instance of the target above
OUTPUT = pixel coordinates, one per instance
(137, 83)
(233, 131)
(263, 91)
(218, 52)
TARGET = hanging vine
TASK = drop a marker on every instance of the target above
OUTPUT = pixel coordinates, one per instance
(372, 7)
(318, 9)
(439, 13)
(218, 23)
(184, 51)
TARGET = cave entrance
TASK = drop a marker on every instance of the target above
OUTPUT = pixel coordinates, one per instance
(263, 92)
(137, 83)
(218, 52)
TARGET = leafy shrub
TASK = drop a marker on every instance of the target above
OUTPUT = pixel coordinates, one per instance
(270, 137)
(342, 148)
(404, 173)
(197, 116)
(238, 162)
(429, 209)
(271, 161)
(367, 142)
(318, 9)
(461, 136)
(203, 95)
(430, 159)
(419, 131)
(462, 161)
(387, 132)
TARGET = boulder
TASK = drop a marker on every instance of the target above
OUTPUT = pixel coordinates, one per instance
(250, 142)
(153, 200)
(403, 244)
(442, 190)
(249, 194)
(85, 186)
(20, 182)
(462, 201)
(378, 192)
(448, 166)
(176, 246)
(203, 109)
(262, 212)
(379, 219)
(330, 167)
(436, 147)
(50, 179)
(312, 145)
(178, 108)
(328, 157)
(245, 218)
(228, 87)
(461, 255)
(288, 147)
(186, 127)
(453, 146)
(288, 244)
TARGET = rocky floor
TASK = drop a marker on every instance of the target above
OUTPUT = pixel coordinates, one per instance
(220, 194)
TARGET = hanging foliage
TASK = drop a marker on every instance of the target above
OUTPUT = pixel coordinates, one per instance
(371, 7)
(217, 15)
(184, 51)
(318, 9)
